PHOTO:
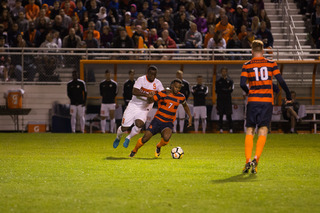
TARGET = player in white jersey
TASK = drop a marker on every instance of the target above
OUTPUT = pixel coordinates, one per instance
(138, 108)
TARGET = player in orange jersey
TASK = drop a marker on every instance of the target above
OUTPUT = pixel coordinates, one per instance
(162, 122)
(259, 72)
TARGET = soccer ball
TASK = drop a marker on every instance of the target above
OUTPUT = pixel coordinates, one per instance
(177, 153)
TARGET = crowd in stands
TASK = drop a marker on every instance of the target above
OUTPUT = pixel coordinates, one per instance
(217, 24)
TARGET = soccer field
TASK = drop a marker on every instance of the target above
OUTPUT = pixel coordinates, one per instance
(83, 173)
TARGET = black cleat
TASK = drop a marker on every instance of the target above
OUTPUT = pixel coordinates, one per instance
(157, 153)
(254, 165)
(246, 167)
(132, 154)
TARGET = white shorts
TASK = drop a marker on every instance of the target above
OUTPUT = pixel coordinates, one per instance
(180, 112)
(106, 108)
(200, 112)
(80, 110)
(134, 112)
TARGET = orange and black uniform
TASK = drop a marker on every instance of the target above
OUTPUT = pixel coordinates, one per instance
(259, 71)
(166, 114)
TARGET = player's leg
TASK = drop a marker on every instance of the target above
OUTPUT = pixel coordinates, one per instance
(73, 113)
(182, 115)
(292, 115)
(141, 141)
(229, 118)
(220, 124)
(81, 111)
(112, 118)
(103, 116)
(165, 138)
(196, 116)
(248, 143)
(203, 114)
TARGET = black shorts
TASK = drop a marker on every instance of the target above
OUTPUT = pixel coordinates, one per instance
(156, 126)
(259, 114)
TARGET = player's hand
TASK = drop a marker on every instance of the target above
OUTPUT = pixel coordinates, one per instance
(190, 122)
(288, 101)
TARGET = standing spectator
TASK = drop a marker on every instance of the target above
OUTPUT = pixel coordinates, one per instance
(193, 37)
(290, 112)
(224, 88)
(185, 90)
(32, 36)
(199, 93)
(226, 28)
(77, 93)
(128, 87)
(108, 91)
(265, 35)
(32, 10)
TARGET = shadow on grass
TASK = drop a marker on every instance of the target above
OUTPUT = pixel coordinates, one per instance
(237, 178)
(127, 158)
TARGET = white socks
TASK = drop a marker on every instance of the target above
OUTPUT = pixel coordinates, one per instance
(134, 131)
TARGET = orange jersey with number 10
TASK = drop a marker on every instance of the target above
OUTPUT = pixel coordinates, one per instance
(168, 105)
(259, 71)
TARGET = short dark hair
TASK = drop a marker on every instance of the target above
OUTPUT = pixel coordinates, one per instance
(152, 67)
(107, 71)
(131, 71)
(176, 81)
(199, 76)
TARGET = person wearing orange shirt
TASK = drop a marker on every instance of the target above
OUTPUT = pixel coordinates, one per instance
(96, 34)
(32, 10)
(226, 28)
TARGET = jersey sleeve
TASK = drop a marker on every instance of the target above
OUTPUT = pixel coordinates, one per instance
(276, 70)
(138, 84)
(159, 96)
(159, 86)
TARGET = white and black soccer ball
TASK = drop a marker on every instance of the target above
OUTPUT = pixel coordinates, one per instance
(177, 153)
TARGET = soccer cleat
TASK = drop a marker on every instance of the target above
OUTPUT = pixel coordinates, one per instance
(254, 166)
(246, 167)
(132, 154)
(126, 143)
(157, 153)
(116, 143)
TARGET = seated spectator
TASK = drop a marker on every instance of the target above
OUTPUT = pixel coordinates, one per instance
(181, 27)
(75, 24)
(127, 21)
(167, 4)
(255, 25)
(93, 10)
(191, 11)
(165, 26)
(290, 112)
(17, 9)
(68, 10)
(68, 3)
(264, 17)
(265, 35)
(5, 60)
(133, 11)
(158, 44)
(193, 37)
(56, 38)
(32, 10)
(113, 19)
(234, 43)
(176, 16)
(201, 23)
(42, 15)
(211, 19)
(208, 35)
(201, 6)
(58, 26)
(6, 20)
(91, 42)
(168, 41)
(237, 18)
(145, 10)
(246, 5)
(226, 28)
(46, 8)
(55, 10)
(106, 37)
(101, 19)
(214, 8)
(152, 37)
(217, 42)
(46, 69)
(139, 20)
(123, 40)
(79, 10)
(96, 34)
(49, 43)
(13, 33)
(167, 18)
(66, 20)
(32, 36)
(138, 33)
(23, 23)
(155, 11)
(254, 11)
(243, 32)
(71, 41)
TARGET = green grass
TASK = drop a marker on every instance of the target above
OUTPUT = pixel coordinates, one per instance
(83, 173)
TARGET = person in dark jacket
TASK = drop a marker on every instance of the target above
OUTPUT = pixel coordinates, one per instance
(127, 88)
(77, 94)
(224, 88)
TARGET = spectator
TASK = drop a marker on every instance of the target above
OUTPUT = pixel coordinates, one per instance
(47, 69)
(152, 37)
(234, 43)
(68, 3)
(193, 37)
(93, 10)
(255, 25)
(66, 20)
(46, 8)
(145, 10)
(123, 41)
(56, 38)
(237, 18)
(68, 10)
(23, 23)
(223, 12)
(214, 8)
(246, 5)
(58, 26)
(199, 93)
(79, 10)
(91, 42)
(211, 19)
(181, 27)
(167, 18)
(113, 19)
(96, 34)
(42, 15)
(155, 12)
(168, 41)
(165, 26)
(226, 28)
(32, 10)
(191, 11)
(55, 10)
(200, 6)
(128, 87)
(6, 19)
(265, 35)
(138, 33)
(106, 37)
(208, 35)
(224, 88)
(201, 23)
(167, 4)
(243, 32)
(259, 3)
(264, 17)
(101, 18)
(12, 34)
(108, 91)
(127, 21)
(77, 93)
(255, 11)
(49, 43)
(5, 60)
(245, 18)
(89, 3)
(32, 36)
(133, 11)
(290, 112)
(17, 9)
(217, 42)
(176, 16)
(140, 19)
(71, 41)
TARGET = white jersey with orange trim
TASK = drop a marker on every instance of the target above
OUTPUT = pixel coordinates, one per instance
(145, 86)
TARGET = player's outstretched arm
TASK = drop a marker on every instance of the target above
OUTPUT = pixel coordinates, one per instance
(187, 110)
(137, 92)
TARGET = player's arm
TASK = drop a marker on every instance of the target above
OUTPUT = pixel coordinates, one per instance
(187, 110)
(284, 86)
(243, 84)
(137, 92)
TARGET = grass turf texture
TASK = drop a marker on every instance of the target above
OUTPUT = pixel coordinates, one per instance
(83, 173)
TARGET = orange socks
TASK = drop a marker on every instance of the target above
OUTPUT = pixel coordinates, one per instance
(162, 143)
(248, 147)
(138, 145)
(260, 144)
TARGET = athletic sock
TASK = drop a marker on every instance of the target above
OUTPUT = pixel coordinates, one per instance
(134, 131)
(138, 145)
(181, 124)
(73, 123)
(260, 144)
(119, 133)
(103, 125)
(248, 147)
(196, 125)
(112, 125)
(175, 126)
(162, 143)
(204, 125)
